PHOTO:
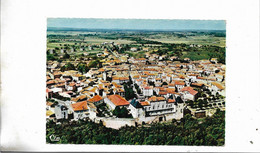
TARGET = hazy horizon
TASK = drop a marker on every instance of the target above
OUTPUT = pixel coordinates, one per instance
(135, 24)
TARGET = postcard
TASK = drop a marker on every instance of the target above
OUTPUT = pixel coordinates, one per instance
(132, 76)
(135, 82)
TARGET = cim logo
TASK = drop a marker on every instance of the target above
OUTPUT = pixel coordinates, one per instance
(54, 138)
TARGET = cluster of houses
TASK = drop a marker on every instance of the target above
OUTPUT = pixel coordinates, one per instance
(161, 87)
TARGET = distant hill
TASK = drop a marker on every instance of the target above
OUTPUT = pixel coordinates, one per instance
(125, 30)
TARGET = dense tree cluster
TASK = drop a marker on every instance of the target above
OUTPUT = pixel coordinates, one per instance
(68, 66)
(209, 131)
(82, 68)
(121, 112)
(137, 88)
(95, 64)
(194, 53)
(102, 110)
(129, 92)
(51, 57)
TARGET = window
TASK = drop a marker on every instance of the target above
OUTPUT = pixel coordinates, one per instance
(162, 106)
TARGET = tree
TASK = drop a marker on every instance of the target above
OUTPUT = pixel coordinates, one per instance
(121, 112)
(94, 64)
(125, 113)
(200, 103)
(67, 67)
(51, 57)
(116, 111)
(66, 56)
(82, 68)
(210, 131)
(129, 92)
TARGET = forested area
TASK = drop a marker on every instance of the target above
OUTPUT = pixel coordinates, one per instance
(194, 53)
(209, 131)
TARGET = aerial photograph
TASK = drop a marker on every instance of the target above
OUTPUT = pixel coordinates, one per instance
(135, 81)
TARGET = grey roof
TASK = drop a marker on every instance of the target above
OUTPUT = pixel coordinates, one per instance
(136, 104)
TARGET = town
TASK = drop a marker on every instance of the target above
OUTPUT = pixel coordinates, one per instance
(116, 89)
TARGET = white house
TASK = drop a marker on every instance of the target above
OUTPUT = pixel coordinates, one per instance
(139, 81)
(167, 109)
(116, 100)
(159, 106)
(136, 109)
(217, 88)
(188, 93)
(133, 49)
(148, 91)
(179, 85)
(192, 77)
(81, 110)
(96, 100)
(61, 112)
(54, 90)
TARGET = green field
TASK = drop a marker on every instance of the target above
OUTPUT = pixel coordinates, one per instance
(87, 41)
(93, 40)
(198, 40)
(207, 44)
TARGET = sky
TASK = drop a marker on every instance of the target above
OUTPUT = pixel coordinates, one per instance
(135, 24)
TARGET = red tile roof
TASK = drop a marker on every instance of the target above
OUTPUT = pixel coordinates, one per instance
(50, 82)
(48, 90)
(171, 100)
(80, 106)
(171, 90)
(49, 103)
(118, 100)
(147, 87)
(136, 77)
(171, 84)
(141, 59)
(190, 90)
(197, 84)
(218, 85)
(123, 78)
(162, 93)
(47, 78)
(101, 70)
(79, 98)
(115, 78)
(179, 83)
(181, 77)
(161, 88)
(144, 103)
(96, 98)
(203, 78)
(154, 98)
(72, 84)
(116, 85)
